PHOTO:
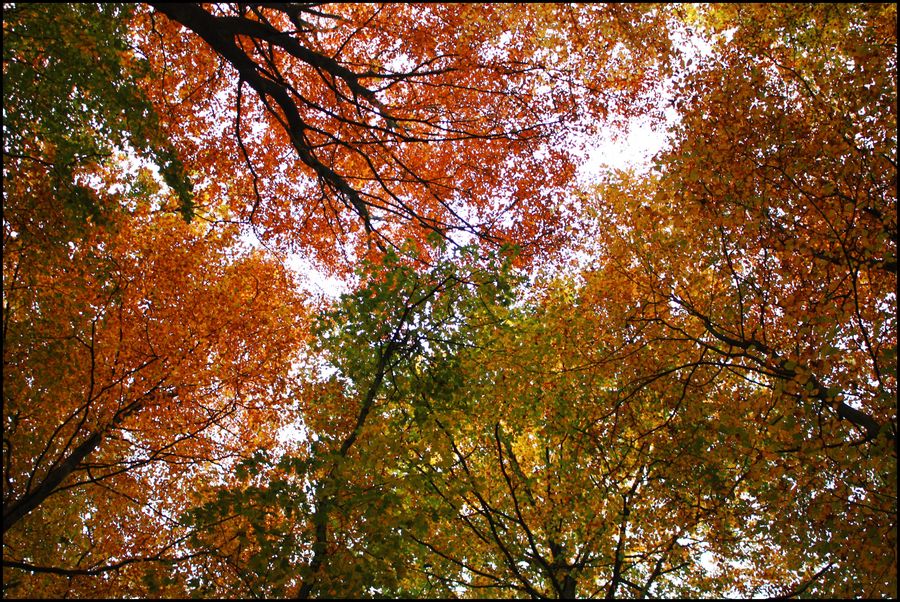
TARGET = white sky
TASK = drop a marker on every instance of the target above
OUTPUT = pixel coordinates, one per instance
(634, 149)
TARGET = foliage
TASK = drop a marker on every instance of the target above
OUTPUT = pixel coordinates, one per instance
(70, 97)
(672, 383)
(338, 130)
(134, 342)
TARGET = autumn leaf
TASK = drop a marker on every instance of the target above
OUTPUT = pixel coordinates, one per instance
(676, 382)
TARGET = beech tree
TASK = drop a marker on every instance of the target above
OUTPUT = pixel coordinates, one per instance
(676, 382)
(397, 120)
(781, 270)
(133, 342)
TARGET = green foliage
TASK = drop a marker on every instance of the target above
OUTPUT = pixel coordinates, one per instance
(71, 97)
(423, 315)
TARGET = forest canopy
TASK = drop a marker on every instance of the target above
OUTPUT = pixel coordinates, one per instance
(537, 375)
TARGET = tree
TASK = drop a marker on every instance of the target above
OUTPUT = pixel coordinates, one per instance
(766, 245)
(133, 341)
(126, 376)
(672, 383)
(338, 130)
(535, 451)
(71, 97)
(275, 530)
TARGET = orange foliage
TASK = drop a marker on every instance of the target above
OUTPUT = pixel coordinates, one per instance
(459, 129)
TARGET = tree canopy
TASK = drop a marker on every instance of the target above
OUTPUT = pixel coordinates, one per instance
(544, 378)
